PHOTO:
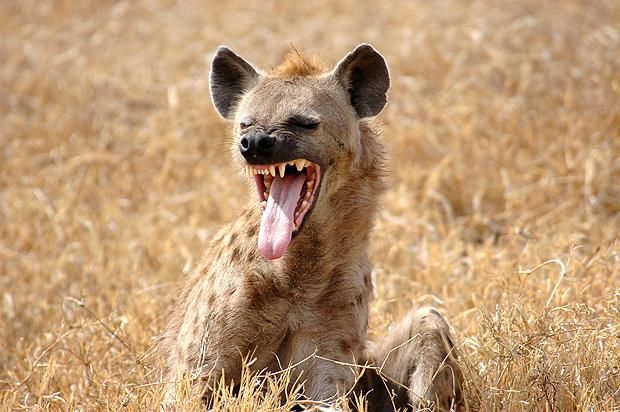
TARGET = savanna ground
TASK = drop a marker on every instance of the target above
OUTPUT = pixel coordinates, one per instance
(503, 128)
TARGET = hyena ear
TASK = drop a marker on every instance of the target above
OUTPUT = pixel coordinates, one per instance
(365, 76)
(230, 78)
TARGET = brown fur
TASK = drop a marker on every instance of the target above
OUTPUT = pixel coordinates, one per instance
(311, 305)
(299, 64)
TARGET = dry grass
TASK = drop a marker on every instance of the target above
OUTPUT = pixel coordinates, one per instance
(503, 210)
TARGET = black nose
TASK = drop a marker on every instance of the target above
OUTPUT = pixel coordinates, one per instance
(257, 145)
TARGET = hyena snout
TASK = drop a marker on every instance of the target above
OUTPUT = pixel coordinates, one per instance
(258, 147)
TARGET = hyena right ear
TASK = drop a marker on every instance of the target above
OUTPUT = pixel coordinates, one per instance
(230, 78)
(365, 76)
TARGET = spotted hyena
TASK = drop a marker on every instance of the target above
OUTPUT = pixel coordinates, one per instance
(289, 281)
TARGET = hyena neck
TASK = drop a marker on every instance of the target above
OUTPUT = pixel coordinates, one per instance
(338, 235)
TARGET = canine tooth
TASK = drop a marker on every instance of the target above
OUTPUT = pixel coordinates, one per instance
(272, 170)
(282, 168)
(299, 164)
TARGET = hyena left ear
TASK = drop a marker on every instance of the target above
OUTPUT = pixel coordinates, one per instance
(230, 78)
(365, 76)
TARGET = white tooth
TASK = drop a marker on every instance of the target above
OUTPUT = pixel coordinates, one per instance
(282, 168)
(272, 170)
(263, 204)
(307, 195)
(265, 194)
(300, 164)
(304, 204)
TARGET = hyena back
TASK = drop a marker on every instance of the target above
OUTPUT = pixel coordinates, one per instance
(289, 281)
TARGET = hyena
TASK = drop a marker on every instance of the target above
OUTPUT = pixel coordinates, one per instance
(289, 282)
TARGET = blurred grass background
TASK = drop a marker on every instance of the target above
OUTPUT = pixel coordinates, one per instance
(503, 129)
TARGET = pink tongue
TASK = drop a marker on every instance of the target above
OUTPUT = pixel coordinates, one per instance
(277, 225)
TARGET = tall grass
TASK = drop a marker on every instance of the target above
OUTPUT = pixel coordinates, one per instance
(503, 128)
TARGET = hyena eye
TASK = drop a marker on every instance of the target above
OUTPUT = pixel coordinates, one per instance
(245, 123)
(302, 122)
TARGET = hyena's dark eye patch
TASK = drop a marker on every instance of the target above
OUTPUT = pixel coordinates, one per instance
(303, 122)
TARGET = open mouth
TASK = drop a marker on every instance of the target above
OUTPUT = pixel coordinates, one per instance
(287, 192)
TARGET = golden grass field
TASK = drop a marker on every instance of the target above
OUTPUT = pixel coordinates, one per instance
(503, 129)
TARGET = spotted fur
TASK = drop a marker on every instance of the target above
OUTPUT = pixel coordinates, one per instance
(310, 307)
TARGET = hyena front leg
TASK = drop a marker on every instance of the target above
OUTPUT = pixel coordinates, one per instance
(327, 369)
(418, 354)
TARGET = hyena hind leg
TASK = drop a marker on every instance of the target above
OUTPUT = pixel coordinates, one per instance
(418, 354)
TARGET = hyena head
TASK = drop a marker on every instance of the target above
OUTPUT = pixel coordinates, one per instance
(297, 131)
